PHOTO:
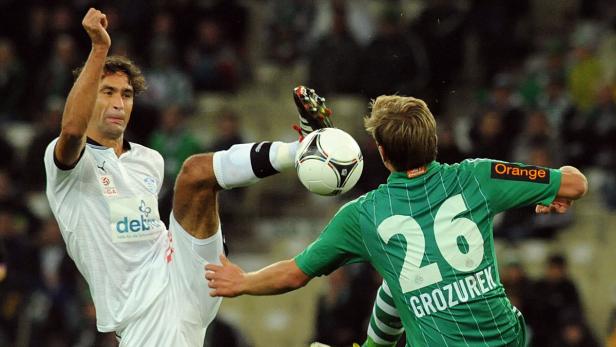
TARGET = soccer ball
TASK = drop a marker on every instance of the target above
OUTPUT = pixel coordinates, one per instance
(329, 162)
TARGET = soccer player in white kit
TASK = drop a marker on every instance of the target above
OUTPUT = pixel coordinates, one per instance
(146, 280)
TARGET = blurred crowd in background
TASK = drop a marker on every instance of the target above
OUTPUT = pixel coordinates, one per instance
(542, 91)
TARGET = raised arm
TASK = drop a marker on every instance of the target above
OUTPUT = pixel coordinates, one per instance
(82, 97)
(229, 280)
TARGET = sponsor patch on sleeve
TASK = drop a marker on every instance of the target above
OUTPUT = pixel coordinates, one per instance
(514, 172)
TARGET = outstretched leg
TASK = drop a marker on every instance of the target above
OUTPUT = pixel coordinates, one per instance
(195, 204)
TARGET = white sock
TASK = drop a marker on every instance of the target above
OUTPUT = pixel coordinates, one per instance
(282, 155)
(245, 164)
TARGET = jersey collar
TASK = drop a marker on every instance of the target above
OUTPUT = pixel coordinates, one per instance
(125, 144)
(402, 175)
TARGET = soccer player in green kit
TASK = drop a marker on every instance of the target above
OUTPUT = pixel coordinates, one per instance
(427, 231)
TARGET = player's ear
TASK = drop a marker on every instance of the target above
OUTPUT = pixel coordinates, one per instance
(384, 158)
(382, 152)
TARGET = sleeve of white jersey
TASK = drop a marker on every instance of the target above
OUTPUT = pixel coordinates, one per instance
(53, 173)
(160, 170)
(60, 184)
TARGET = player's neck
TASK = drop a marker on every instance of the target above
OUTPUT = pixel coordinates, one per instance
(116, 143)
(389, 166)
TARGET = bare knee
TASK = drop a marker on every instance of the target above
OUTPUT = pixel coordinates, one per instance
(197, 173)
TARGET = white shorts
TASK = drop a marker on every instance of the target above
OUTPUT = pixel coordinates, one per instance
(180, 316)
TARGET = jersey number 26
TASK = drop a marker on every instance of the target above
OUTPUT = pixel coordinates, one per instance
(447, 231)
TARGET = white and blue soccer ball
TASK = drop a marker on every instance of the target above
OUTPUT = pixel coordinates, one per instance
(329, 162)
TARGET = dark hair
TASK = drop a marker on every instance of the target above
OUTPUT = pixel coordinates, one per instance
(118, 63)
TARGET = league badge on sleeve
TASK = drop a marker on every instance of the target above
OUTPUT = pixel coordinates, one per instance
(150, 184)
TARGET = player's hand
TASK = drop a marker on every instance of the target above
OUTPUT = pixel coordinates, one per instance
(226, 279)
(95, 23)
(559, 205)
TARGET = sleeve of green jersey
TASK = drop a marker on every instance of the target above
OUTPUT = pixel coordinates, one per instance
(510, 185)
(340, 243)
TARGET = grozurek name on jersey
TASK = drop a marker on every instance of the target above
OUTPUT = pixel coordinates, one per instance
(452, 294)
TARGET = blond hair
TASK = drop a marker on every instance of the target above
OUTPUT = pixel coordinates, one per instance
(405, 128)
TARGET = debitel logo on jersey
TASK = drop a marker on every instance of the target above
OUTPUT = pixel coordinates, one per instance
(143, 223)
(134, 219)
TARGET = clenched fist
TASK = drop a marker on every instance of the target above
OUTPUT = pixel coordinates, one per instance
(95, 23)
(559, 205)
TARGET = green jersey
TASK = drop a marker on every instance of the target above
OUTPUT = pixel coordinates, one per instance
(430, 237)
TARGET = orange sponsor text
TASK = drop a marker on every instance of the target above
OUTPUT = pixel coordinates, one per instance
(530, 173)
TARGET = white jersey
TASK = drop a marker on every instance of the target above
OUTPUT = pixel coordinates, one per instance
(107, 209)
